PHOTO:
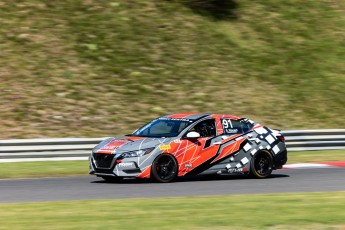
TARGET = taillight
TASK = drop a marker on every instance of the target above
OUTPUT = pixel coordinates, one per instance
(281, 138)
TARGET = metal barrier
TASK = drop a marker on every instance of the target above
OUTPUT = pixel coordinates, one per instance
(20, 150)
(319, 139)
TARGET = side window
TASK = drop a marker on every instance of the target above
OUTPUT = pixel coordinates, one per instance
(206, 128)
(182, 126)
(235, 126)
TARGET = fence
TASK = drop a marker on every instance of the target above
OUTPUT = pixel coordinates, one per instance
(20, 150)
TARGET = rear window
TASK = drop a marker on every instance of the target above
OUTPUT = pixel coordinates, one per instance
(235, 126)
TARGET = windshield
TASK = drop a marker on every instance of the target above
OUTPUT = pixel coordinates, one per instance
(163, 127)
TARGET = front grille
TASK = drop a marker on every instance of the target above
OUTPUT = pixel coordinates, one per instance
(103, 160)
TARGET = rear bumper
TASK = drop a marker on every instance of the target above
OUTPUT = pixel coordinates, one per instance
(280, 159)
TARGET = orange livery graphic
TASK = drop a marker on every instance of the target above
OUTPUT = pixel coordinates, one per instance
(185, 144)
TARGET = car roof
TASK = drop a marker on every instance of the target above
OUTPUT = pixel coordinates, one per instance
(197, 116)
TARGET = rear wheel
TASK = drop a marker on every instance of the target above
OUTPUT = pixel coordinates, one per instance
(164, 168)
(261, 164)
(112, 178)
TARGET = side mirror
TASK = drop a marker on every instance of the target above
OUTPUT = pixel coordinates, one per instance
(193, 134)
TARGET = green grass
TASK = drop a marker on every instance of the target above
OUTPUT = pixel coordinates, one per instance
(43, 169)
(273, 211)
(316, 156)
(99, 68)
(69, 168)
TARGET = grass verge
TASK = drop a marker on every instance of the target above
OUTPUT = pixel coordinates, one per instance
(316, 156)
(43, 169)
(64, 168)
(268, 211)
(100, 68)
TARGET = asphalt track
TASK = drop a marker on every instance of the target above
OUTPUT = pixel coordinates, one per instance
(90, 187)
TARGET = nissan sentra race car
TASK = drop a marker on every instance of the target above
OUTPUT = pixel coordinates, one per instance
(191, 144)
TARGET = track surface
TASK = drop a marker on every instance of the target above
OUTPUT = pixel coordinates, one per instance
(90, 187)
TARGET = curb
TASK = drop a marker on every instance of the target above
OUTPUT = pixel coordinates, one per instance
(337, 164)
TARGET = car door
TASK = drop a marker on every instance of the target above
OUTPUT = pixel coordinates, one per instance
(193, 152)
(232, 136)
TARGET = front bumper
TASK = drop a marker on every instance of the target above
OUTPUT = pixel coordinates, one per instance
(109, 165)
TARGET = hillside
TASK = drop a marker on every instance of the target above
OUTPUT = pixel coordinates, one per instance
(90, 68)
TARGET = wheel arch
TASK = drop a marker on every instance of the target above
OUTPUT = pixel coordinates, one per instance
(152, 175)
(169, 154)
(251, 171)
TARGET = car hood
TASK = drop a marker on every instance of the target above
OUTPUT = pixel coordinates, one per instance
(128, 143)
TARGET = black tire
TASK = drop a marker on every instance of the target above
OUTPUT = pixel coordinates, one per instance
(164, 168)
(261, 165)
(112, 179)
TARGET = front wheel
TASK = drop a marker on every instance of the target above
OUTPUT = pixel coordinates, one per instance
(261, 164)
(164, 168)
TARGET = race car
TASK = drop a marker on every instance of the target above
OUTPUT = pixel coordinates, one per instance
(185, 144)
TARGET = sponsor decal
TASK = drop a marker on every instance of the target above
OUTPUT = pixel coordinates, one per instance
(231, 131)
(114, 144)
(237, 170)
(126, 164)
(233, 170)
(164, 147)
(175, 119)
(188, 165)
(110, 147)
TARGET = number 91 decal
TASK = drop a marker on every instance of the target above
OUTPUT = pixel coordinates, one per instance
(228, 126)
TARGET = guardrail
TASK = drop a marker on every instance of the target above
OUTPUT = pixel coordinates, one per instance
(20, 150)
(319, 139)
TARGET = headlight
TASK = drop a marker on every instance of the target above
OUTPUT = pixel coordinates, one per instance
(137, 153)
